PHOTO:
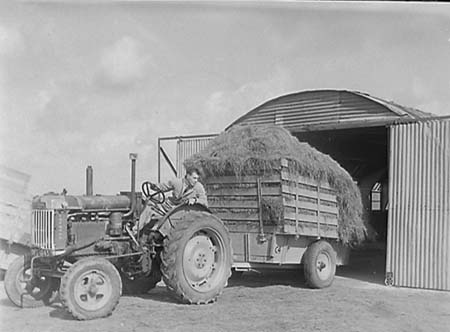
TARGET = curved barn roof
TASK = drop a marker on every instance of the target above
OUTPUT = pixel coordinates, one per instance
(328, 109)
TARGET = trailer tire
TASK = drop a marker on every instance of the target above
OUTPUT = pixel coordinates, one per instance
(25, 292)
(319, 264)
(91, 288)
(197, 256)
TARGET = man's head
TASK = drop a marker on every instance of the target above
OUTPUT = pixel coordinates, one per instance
(192, 175)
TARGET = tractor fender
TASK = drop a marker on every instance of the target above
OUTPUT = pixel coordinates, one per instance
(165, 225)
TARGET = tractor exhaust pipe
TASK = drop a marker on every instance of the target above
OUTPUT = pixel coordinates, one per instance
(89, 181)
(133, 157)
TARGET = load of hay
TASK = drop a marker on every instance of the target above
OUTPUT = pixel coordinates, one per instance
(257, 150)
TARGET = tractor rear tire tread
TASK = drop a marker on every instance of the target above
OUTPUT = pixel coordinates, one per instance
(169, 258)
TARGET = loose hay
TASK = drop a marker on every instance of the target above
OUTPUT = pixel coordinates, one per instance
(257, 150)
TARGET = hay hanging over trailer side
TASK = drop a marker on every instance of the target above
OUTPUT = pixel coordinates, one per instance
(257, 150)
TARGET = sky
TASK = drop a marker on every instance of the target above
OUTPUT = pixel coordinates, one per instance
(87, 83)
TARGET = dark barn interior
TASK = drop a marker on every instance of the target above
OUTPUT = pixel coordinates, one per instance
(363, 152)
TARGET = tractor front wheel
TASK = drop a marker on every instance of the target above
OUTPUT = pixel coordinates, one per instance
(91, 288)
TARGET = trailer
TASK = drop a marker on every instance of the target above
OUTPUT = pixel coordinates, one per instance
(15, 216)
(280, 220)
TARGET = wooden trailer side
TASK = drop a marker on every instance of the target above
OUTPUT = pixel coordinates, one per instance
(293, 212)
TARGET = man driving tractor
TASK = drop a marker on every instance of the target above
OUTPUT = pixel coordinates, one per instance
(186, 190)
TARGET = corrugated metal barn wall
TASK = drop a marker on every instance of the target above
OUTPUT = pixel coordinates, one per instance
(188, 147)
(418, 248)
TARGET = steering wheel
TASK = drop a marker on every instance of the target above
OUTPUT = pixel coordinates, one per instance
(148, 187)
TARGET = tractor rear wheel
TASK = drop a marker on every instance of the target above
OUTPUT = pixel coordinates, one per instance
(26, 291)
(197, 256)
(91, 288)
(319, 264)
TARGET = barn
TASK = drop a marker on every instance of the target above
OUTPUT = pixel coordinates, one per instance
(399, 157)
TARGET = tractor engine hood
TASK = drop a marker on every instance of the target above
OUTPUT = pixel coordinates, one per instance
(83, 203)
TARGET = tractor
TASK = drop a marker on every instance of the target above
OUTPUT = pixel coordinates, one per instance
(84, 248)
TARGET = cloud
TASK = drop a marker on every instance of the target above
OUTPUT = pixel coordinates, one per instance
(124, 62)
(11, 41)
(429, 99)
(437, 107)
(223, 107)
(420, 89)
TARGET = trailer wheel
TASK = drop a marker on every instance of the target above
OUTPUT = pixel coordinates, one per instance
(196, 259)
(319, 264)
(91, 288)
(25, 291)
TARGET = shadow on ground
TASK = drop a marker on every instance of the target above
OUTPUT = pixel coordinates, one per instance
(367, 265)
(265, 278)
(160, 294)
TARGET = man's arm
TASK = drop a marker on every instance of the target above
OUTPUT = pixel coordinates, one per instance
(200, 194)
(166, 186)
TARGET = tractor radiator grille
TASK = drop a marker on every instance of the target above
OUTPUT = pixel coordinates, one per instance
(43, 229)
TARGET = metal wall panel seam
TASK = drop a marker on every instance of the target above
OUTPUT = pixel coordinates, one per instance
(428, 156)
(415, 204)
(396, 239)
(300, 103)
(435, 213)
(313, 111)
(440, 208)
(410, 183)
(401, 222)
(417, 207)
(431, 222)
(329, 107)
(418, 197)
(408, 244)
(444, 219)
(307, 113)
(445, 169)
(446, 201)
(334, 120)
(416, 158)
(423, 221)
(422, 228)
(406, 220)
(352, 102)
(420, 224)
(391, 198)
(325, 121)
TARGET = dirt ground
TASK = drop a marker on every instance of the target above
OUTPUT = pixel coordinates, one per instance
(271, 301)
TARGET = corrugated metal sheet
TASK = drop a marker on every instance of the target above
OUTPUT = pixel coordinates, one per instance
(327, 109)
(188, 147)
(418, 249)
